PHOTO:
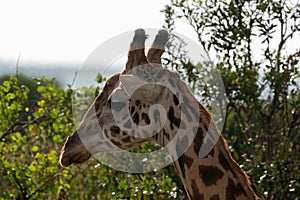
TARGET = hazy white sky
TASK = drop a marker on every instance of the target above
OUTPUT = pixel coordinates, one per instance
(68, 31)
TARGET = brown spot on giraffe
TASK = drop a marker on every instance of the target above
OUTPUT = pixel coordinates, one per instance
(136, 118)
(233, 191)
(146, 118)
(173, 119)
(166, 134)
(210, 174)
(132, 109)
(198, 141)
(175, 99)
(224, 163)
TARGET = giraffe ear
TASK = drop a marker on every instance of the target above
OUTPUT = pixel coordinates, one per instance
(158, 47)
(136, 54)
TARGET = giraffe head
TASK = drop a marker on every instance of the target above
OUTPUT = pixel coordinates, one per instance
(108, 123)
(140, 105)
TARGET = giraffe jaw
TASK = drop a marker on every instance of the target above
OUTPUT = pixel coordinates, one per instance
(73, 151)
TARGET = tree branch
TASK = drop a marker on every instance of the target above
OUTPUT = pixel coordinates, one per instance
(12, 130)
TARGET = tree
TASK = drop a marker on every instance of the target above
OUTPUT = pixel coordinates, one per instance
(262, 83)
(30, 132)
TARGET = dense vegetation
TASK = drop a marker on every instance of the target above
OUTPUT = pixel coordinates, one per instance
(252, 42)
(262, 122)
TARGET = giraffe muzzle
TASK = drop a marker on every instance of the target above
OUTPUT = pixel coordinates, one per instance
(73, 151)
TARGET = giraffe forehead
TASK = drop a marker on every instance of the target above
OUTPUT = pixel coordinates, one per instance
(145, 83)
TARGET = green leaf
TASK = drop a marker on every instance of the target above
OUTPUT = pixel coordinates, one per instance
(6, 85)
(34, 148)
(41, 89)
(32, 167)
(26, 109)
(10, 96)
(41, 103)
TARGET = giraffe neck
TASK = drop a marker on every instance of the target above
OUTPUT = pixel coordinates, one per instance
(214, 176)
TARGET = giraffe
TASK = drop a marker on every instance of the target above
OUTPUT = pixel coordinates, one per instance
(211, 177)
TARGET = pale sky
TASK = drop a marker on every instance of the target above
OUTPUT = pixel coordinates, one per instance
(67, 31)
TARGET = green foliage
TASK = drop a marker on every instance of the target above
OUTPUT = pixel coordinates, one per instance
(30, 141)
(262, 83)
(30, 138)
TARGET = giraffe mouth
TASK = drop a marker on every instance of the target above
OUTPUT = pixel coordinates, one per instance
(73, 151)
